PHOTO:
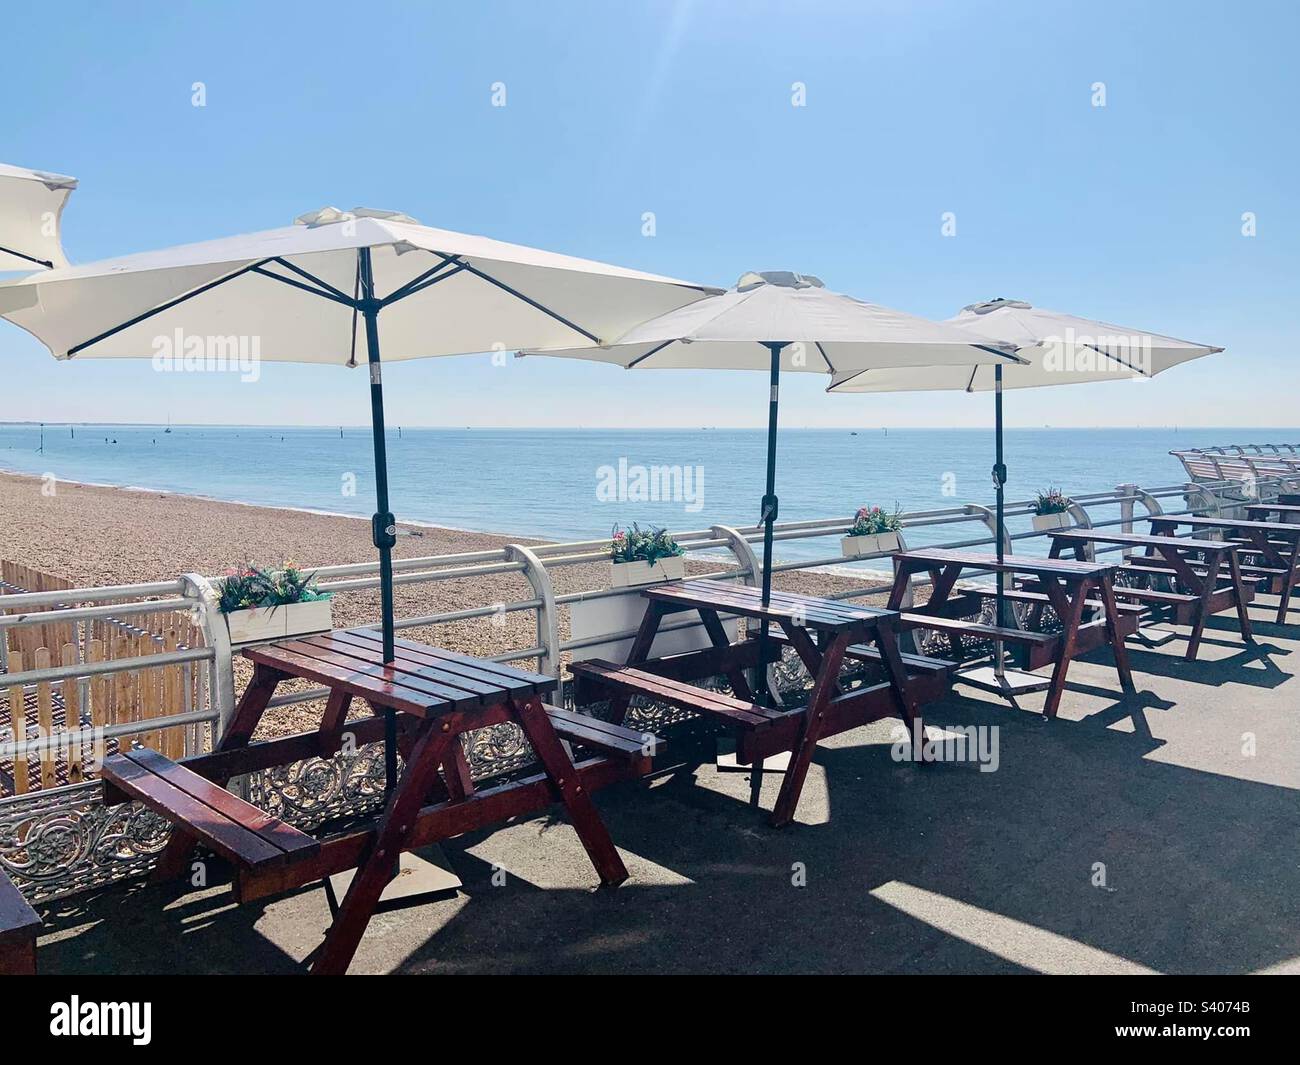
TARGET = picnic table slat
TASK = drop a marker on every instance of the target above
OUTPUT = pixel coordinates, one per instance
(305, 667)
(410, 669)
(783, 606)
(502, 669)
(1101, 536)
(938, 558)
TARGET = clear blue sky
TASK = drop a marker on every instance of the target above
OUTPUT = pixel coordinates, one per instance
(1131, 212)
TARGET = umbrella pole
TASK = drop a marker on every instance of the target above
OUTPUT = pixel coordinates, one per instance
(769, 509)
(999, 481)
(383, 524)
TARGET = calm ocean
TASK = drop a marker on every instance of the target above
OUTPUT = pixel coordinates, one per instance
(576, 484)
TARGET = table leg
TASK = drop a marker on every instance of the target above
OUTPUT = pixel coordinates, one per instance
(1201, 587)
(1071, 613)
(718, 637)
(591, 830)
(252, 705)
(1239, 593)
(638, 653)
(1292, 565)
(807, 651)
(813, 722)
(908, 707)
(1116, 637)
(394, 828)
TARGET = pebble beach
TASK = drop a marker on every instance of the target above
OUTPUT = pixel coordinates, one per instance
(98, 535)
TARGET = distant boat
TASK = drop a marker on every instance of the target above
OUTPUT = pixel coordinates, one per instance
(169, 424)
(853, 434)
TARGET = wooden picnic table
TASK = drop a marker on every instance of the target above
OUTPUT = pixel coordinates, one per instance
(1173, 557)
(823, 633)
(1067, 586)
(1277, 544)
(439, 696)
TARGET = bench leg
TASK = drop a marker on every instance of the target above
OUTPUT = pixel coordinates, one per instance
(395, 826)
(591, 830)
(813, 723)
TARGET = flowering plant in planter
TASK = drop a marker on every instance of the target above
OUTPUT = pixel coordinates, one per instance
(641, 556)
(1052, 501)
(1052, 510)
(874, 531)
(262, 604)
(870, 521)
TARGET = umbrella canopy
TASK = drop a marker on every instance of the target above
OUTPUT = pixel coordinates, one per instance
(31, 206)
(750, 326)
(839, 334)
(296, 290)
(315, 291)
(1057, 349)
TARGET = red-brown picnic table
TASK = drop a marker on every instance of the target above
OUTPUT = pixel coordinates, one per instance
(821, 631)
(1276, 543)
(1067, 586)
(439, 695)
(1175, 556)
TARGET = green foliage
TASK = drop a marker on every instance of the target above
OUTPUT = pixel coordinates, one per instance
(252, 586)
(643, 545)
(871, 521)
(1052, 501)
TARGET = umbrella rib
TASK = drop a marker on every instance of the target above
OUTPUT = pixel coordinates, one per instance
(653, 351)
(1113, 358)
(424, 280)
(825, 358)
(530, 301)
(168, 306)
(312, 278)
(30, 259)
(337, 297)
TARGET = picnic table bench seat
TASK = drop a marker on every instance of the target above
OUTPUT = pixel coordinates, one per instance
(597, 678)
(236, 830)
(19, 925)
(612, 740)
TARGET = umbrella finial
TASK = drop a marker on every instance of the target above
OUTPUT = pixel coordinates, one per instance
(781, 278)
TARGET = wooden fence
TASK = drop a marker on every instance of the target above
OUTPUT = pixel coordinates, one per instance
(48, 709)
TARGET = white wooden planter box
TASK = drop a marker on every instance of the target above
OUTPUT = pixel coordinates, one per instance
(627, 574)
(276, 623)
(861, 546)
(1047, 522)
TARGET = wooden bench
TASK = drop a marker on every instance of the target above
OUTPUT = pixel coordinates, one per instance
(19, 925)
(603, 737)
(242, 834)
(598, 679)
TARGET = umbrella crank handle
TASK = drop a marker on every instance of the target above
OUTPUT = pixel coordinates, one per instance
(383, 531)
(768, 509)
(999, 474)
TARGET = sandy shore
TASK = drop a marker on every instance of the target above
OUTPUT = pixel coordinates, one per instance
(97, 535)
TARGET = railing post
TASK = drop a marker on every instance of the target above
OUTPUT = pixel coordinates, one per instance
(221, 672)
(746, 558)
(548, 630)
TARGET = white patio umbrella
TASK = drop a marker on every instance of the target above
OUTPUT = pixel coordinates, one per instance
(312, 292)
(1057, 349)
(749, 326)
(31, 207)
